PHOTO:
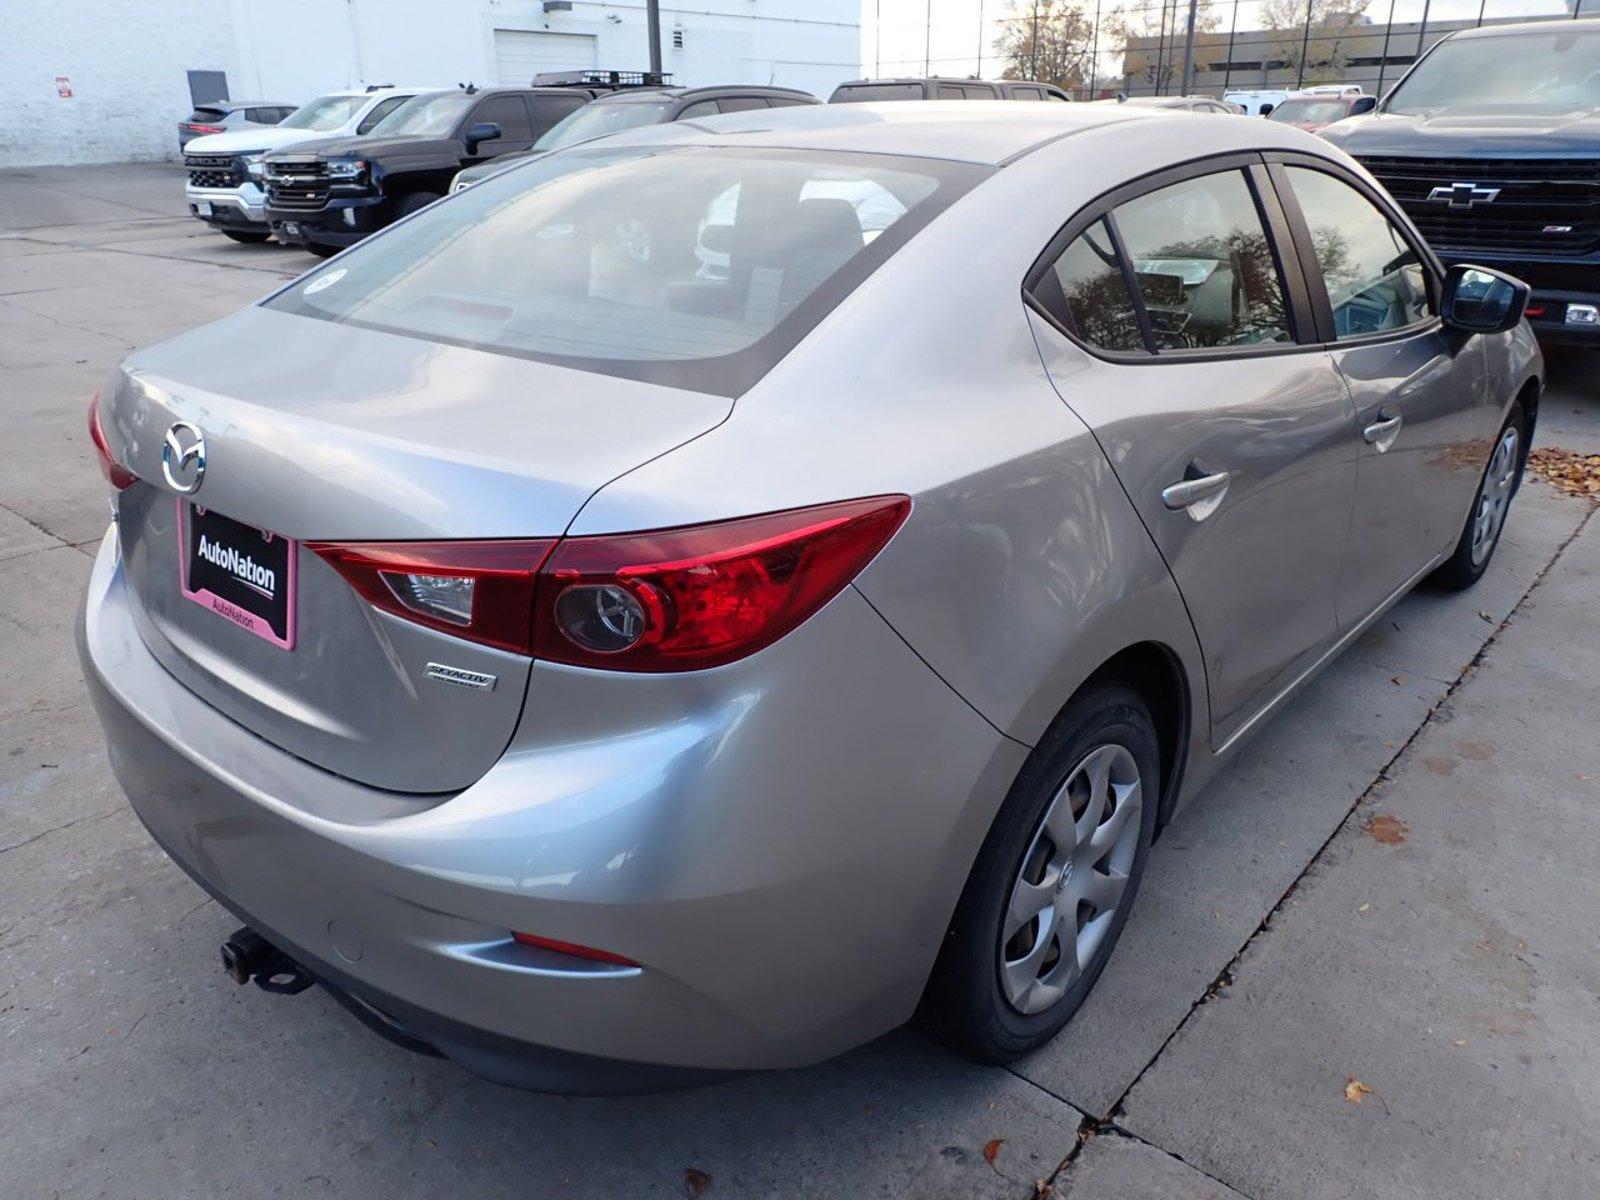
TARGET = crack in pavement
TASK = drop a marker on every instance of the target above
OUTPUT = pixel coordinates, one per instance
(99, 816)
(198, 262)
(1093, 1126)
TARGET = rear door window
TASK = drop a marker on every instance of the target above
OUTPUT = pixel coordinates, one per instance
(1086, 290)
(1203, 264)
(733, 104)
(700, 108)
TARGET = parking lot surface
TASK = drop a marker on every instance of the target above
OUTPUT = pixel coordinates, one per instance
(1362, 964)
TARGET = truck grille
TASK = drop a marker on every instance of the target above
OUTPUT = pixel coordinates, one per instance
(1543, 206)
(297, 185)
(213, 171)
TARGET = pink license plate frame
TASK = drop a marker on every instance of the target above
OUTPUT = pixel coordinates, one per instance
(226, 609)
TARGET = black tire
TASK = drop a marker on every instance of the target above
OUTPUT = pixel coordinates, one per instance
(322, 251)
(1459, 571)
(248, 237)
(964, 1004)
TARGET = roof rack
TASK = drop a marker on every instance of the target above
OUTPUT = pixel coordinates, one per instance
(602, 79)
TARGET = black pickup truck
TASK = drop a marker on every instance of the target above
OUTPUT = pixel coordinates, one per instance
(1491, 143)
(329, 194)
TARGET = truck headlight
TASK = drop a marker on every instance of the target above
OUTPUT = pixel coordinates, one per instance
(254, 167)
(348, 168)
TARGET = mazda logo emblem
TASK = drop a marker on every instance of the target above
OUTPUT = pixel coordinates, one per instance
(183, 457)
(1465, 195)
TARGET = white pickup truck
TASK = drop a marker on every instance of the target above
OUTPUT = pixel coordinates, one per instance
(225, 188)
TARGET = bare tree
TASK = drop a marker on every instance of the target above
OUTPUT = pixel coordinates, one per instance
(1311, 35)
(1159, 27)
(1048, 40)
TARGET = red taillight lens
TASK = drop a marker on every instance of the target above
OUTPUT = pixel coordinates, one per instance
(544, 943)
(204, 128)
(686, 599)
(672, 600)
(117, 475)
(478, 590)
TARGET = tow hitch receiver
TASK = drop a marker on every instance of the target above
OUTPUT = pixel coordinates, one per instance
(246, 955)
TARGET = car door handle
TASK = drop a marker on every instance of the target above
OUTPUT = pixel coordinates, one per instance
(1381, 433)
(1199, 497)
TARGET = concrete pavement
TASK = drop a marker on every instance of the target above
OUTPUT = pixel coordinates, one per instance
(1279, 950)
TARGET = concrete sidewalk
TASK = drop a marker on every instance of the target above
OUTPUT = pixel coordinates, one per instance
(1280, 950)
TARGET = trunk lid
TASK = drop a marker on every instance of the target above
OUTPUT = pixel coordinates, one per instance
(316, 431)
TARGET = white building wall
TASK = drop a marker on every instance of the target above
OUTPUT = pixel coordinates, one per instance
(126, 59)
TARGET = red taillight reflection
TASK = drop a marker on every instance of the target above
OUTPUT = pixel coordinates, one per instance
(117, 475)
(497, 580)
(671, 600)
(1534, 310)
(572, 948)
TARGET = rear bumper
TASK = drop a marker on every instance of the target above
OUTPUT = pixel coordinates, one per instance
(785, 904)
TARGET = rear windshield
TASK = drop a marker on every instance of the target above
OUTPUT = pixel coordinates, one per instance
(323, 113)
(1310, 112)
(597, 120)
(1555, 70)
(693, 267)
(208, 116)
(876, 91)
(432, 115)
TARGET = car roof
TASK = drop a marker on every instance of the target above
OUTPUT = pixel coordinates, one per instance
(1583, 24)
(957, 130)
(235, 105)
(643, 95)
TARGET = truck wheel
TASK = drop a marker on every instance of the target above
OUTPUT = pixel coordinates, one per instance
(410, 204)
(247, 236)
(322, 251)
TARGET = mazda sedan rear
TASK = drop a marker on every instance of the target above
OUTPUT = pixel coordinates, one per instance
(693, 601)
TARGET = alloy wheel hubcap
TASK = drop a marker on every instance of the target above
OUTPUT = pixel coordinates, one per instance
(1494, 498)
(1071, 880)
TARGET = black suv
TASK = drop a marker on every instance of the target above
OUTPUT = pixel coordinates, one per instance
(937, 88)
(329, 194)
(647, 106)
(1491, 143)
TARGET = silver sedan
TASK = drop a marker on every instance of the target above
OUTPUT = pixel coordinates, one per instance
(694, 601)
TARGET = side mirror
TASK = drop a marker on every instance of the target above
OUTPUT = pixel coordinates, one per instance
(1478, 300)
(1266, 109)
(483, 131)
(1363, 104)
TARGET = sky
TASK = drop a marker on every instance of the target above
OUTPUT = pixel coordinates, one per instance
(896, 38)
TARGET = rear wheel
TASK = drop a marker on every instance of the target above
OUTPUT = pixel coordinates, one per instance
(1053, 884)
(1490, 508)
(322, 251)
(249, 237)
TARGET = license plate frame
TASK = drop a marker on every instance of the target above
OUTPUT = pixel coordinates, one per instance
(228, 581)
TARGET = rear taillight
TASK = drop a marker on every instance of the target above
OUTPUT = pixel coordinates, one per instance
(204, 128)
(117, 475)
(685, 599)
(477, 590)
(671, 600)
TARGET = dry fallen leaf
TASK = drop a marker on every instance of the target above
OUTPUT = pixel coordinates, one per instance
(1462, 1042)
(696, 1183)
(1397, 680)
(1566, 471)
(1386, 830)
(1354, 1090)
(992, 1150)
(1365, 906)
